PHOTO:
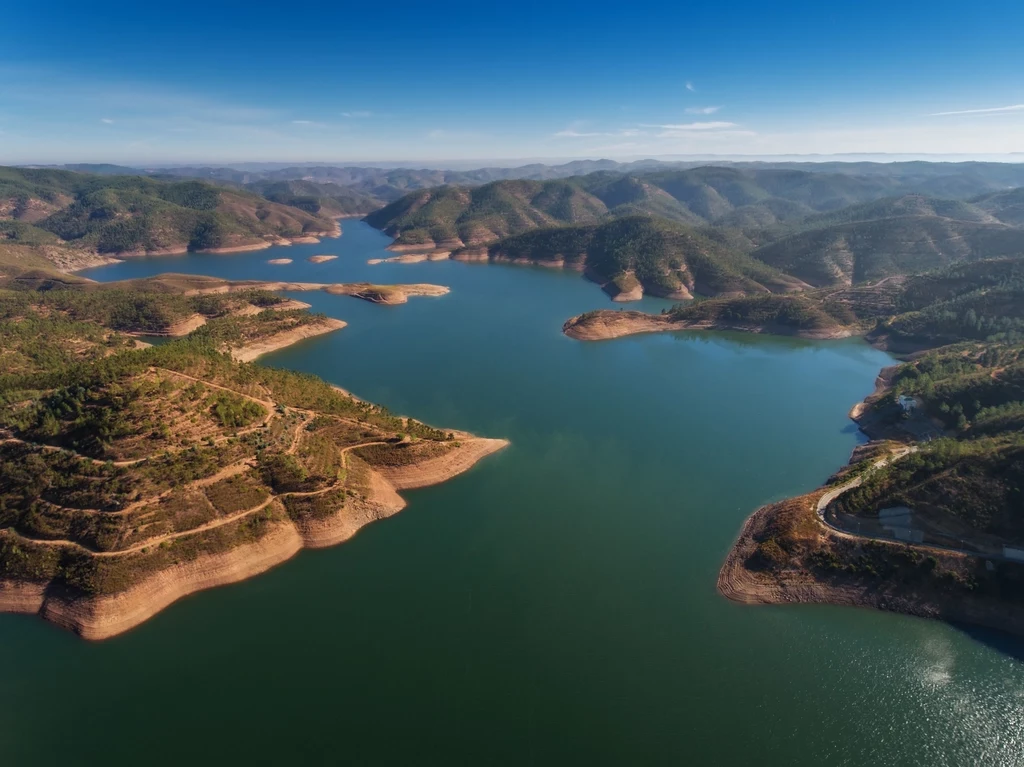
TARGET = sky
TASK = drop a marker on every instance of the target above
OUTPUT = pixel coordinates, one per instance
(148, 83)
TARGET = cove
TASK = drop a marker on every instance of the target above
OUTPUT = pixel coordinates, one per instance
(557, 604)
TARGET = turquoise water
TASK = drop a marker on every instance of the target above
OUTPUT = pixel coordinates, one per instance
(557, 604)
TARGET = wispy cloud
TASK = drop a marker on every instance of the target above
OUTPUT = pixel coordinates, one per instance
(689, 87)
(572, 133)
(702, 110)
(359, 113)
(990, 110)
(710, 125)
(106, 121)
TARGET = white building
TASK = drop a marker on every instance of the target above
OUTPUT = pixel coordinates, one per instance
(909, 404)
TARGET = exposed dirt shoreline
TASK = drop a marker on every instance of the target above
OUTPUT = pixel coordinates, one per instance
(609, 323)
(742, 580)
(255, 350)
(740, 583)
(386, 294)
(378, 294)
(103, 617)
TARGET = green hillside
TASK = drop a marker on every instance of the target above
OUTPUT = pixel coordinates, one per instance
(1006, 206)
(970, 481)
(746, 200)
(115, 214)
(907, 205)
(661, 257)
(317, 199)
(865, 251)
(769, 311)
(452, 216)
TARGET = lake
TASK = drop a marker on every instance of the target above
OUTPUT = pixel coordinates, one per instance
(556, 605)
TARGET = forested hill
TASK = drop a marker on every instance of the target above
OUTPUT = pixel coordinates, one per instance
(866, 251)
(640, 254)
(116, 214)
(453, 216)
(760, 204)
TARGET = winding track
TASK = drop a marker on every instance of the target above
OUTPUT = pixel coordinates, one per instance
(202, 528)
(827, 498)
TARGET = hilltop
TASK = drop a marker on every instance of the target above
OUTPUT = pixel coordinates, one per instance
(453, 217)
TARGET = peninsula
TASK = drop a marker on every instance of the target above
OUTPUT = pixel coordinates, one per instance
(926, 518)
(138, 474)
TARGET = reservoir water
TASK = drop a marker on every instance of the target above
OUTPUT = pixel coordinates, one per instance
(554, 606)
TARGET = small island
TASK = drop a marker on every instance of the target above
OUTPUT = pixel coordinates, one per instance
(386, 294)
(279, 261)
(320, 259)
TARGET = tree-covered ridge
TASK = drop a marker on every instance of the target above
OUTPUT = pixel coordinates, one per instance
(816, 229)
(319, 199)
(662, 257)
(1006, 205)
(973, 301)
(114, 214)
(970, 479)
(978, 301)
(766, 311)
(127, 308)
(455, 216)
(868, 251)
(737, 197)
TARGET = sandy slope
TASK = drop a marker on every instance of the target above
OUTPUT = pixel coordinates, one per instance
(287, 338)
(608, 323)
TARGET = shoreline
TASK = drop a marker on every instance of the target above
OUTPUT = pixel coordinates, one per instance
(93, 260)
(273, 343)
(741, 584)
(743, 578)
(605, 324)
(103, 617)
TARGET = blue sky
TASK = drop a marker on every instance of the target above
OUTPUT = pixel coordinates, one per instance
(229, 82)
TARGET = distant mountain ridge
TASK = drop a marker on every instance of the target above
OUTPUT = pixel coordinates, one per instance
(960, 180)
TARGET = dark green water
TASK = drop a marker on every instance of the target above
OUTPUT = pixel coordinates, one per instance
(554, 606)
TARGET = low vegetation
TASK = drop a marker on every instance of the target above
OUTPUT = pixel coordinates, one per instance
(120, 462)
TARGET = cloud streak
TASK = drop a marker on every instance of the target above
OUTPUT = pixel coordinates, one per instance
(710, 125)
(689, 87)
(990, 110)
(702, 110)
